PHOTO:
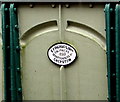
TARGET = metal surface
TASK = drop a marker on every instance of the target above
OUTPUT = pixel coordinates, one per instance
(117, 38)
(111, 59)
(43, 80)
(12, 60)
(16, 90)
(113, 51)
(11, 54)
(6, 50)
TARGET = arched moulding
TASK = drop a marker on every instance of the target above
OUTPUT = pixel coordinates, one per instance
(87, 32)
(38, 30)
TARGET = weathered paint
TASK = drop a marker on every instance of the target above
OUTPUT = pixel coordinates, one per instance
(79, 25)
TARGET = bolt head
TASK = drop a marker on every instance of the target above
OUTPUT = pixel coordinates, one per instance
(18, 69)
(17, 48)
(112, 51)
(111, 9)
(111, 28)
(91, 5)
(53, 5)
(31, 5)
(15, 9)
(67, 5)
(6, 9)
(113, 74)
(19, 89)
(7, 26)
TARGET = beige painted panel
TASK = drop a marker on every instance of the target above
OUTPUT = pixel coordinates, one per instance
(86, 78)
(30, 17)
(82, 13)
(83, 80)
(40, 77)
(84, 28)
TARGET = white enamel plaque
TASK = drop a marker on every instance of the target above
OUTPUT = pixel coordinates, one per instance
(62, 54)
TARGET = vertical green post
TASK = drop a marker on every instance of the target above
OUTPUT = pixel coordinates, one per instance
(107, 16)
(12, 60)
(110, 42)
(6, 50)
(117, 14)
(11, 54)
(16, 93)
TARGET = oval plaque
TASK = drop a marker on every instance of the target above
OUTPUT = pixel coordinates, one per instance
(62, 54)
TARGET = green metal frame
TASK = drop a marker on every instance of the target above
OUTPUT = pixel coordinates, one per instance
(110, 42)
(112, 14)
(11, 52)
(16, 89)
(117, 30)
(6, 50)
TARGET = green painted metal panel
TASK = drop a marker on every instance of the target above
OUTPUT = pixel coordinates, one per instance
(11, 54)
(107, 12)
(12, 60)
(16, 90)
(117, 14)
(6, 54)
(110, 42)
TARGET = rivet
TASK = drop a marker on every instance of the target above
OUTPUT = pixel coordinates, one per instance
(7, 26)
(53, 5)
(111, 9)
(112, 51)
(31, 5)
(17, 48)
(18, 69)
(6, 9)
(16, 26)
(19, 89)
(113, 74)
(15, 9)
(67, 5)
(111, 28)
(91, 5)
